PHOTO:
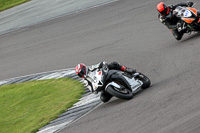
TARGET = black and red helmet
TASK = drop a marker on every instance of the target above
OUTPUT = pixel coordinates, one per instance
(163, 9)
(81, 70)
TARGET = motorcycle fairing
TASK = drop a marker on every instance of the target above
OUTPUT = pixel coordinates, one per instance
(187, 14)
(129, 82)
(199, 20)
(134, 83)
(115, 75)
(95, 78)
(118, 77)
(193, 10)
(112, 84)
(188, 20)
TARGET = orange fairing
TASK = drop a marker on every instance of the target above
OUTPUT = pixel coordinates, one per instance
(199, 20)
(188, 20)
(193, 10)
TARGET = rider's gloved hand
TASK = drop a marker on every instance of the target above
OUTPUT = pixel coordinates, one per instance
(162, 19)
(190, 4)
(102, 63)
(171, 7)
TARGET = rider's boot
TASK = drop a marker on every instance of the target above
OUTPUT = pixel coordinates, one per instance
(105, 97)
(177, 35)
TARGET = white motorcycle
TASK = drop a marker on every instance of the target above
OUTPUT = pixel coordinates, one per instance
(117, 83)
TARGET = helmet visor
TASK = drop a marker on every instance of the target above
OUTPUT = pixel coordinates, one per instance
(165, 11)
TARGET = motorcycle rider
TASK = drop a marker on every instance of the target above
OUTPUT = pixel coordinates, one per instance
(166, 17)
(82, 71)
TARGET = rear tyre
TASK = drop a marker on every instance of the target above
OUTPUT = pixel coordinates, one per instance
(121, 93)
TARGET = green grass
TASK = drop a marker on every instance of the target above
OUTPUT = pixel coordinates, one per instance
(26, 107)
(5, 4)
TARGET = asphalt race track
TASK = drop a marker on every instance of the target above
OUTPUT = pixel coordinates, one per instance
(127, 31)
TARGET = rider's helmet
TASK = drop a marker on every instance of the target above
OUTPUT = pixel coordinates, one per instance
(81, 70)
(163, 9)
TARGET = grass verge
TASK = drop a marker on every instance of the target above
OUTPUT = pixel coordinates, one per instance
(6, 4)
(26, 107)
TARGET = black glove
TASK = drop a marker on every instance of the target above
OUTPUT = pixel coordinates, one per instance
(171, 7)
(190, 4)
(102, 63)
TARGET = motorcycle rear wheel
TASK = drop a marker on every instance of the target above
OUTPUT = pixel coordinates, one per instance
(126, 94)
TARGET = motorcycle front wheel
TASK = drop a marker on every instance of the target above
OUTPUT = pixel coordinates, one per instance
(121, 93)
(145, 80)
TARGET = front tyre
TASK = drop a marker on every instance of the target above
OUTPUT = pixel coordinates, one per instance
(145, 80)
(121, 93)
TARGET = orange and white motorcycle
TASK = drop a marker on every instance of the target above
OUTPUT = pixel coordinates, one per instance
(189, 20)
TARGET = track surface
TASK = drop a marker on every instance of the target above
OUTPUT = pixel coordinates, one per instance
(129, 32)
